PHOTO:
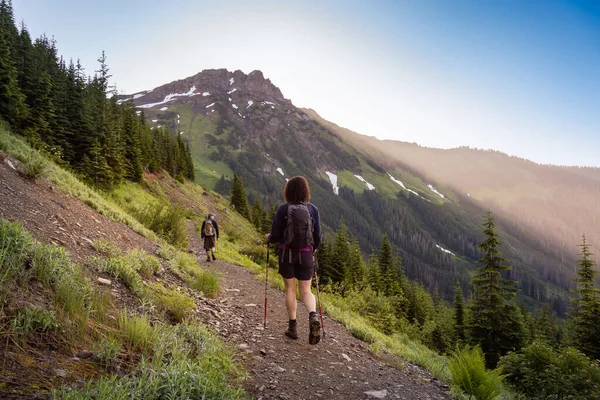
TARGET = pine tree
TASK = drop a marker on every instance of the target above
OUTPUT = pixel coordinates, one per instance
(340, 256)
(12, 102)
(495, 323)
(374, 274)
(585, 307)
(356, 272)
(239, 201)
(459, 315)
(257, 214)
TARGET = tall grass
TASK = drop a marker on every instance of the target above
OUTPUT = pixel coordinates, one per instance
(16, 246)
(167, 221)
(202, 280)
(176, 304)
(136, 331)
(123, 269)
(470, 375)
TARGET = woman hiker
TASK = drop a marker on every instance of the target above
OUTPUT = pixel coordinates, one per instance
(297, 229)
(210, 234)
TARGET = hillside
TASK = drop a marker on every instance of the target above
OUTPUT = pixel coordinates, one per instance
(243, 123)
(216, 306)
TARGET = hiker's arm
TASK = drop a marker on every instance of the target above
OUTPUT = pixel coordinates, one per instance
(217, 229)
(278, 226)
(202, 230)
(317, 230)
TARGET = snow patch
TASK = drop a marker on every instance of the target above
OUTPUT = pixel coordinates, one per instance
(360, 178)
(154, 120)
(405, 188)
(232, 90)
(231, 80)
(138, 112)
(333, 179)
(469, 194)
(137, 96)
(171, 97)
(444, 250)
(229, 99)
(280, 171)
(250, 102)
(164, 109)
(124, 100)
(272, 107)
(210, 105)
(206, 94)
(181, 133)
(430, 186)
(234, 106)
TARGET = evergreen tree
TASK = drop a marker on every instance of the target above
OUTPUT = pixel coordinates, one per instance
(356, 272)
(12, 102)
(459, 315)
(495, 322)
(374, 274)
(340, 256)
(238, 197)
(257, 214)
(547, 326)
(585, 307)
(323, 262)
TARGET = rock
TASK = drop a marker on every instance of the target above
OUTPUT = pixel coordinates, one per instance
(377, 394)
(277, 369)
(61, 373)
(232, 290)
(83, 354)
(104, 282)
(250, 305)
(243, 346)
(263, 352)
(346, 357)
(89, 241)
(262, 388)
(10, 164)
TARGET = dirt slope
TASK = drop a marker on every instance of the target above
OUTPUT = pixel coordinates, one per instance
(340, 367)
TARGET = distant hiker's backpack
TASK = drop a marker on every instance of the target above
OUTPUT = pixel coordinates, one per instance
(299, 230)
(209, 229)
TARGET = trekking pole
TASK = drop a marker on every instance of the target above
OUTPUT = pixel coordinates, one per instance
(319, 295)
(266, 287)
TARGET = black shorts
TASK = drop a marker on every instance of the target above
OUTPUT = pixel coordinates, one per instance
(301, 270)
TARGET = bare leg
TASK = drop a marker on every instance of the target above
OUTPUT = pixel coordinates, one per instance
(306, 295)
(290, 297)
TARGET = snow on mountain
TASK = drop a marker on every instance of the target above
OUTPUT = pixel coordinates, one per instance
(402, 184)
(171, 97)
(250, 102)
(234, 106)
(280, 171)
(232, 90)
(210, 105)
(231, 80)
(444, 250)
(205, 94)
(430, 186)
(369, 186)
(164, 109)
(333, 179)
(155, 120)
(137, 96)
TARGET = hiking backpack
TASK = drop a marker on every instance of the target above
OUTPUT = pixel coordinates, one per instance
(209, 229)
(299, 229)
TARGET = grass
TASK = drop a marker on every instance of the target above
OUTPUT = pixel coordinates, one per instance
(177, 305)
(136, 331)
(167, 221)
(123, 269)
(208, 283)
(32, 320)
(106, 351)
(470, 375)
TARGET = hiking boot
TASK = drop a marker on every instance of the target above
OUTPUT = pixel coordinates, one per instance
(208, 259)
(314, 327)
(291, 331)
(214, 258)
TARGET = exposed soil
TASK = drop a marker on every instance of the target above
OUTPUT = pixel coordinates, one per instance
(340, 367)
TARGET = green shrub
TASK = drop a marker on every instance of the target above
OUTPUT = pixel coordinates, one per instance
(176, 304)
(123, 269)
(36, 165)
(166, 252)
(107, 248)
(32, 320)
(15, 248)
(469, 374)
(540, 372)
(165, 220)
(206, 282)
(136, 330)
(106, 351)
(143, 262)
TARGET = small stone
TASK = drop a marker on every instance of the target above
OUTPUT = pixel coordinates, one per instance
(243, 346)
(377, 394)
(346, 357)
(89, 241)
(262, 388)
(84, 354)
(232, 290)
(10, 164)
(61, 373)
(263, 352)
(277, 369)
(104, 282)
(250, 305)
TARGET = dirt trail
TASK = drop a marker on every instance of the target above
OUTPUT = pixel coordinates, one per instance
(340, 367)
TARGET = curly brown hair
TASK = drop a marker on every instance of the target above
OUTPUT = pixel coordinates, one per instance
(297, 190)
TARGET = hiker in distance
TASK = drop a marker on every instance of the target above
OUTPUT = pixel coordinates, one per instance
(210, 234)
(297, 229)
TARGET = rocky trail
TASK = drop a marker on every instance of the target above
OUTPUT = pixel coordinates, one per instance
(339, 367)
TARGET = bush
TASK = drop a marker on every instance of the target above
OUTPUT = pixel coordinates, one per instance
(106, 351)
(540, 372)
(176, 304)
(206, 282)
(143, 262)
(32, 320)
(36, 165)
(107, 248)
(166, 221)
(123, 269)
(469, 374)
(15, 248)
(137, 332)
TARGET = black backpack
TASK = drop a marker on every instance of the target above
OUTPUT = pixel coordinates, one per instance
(299, 229)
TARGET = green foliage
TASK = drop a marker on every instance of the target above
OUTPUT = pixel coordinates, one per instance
(585, 307)
(123, 269)
(469, 374)
(167, 221)
(36, 166)
(495, 323)
(166, 252)
(176, 304)
(136, 330)
(107, 248)
(32, 320)
(15, 247)
(540, 372)
(143, 262)
(239, 201)
(204, 281)
(106, 351)
(459, 314)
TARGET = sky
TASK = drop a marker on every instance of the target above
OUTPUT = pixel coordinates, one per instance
(522, 77)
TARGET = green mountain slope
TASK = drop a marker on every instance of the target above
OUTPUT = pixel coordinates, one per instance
(238, 122)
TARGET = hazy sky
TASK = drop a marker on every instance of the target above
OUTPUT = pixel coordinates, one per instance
(522, 77)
